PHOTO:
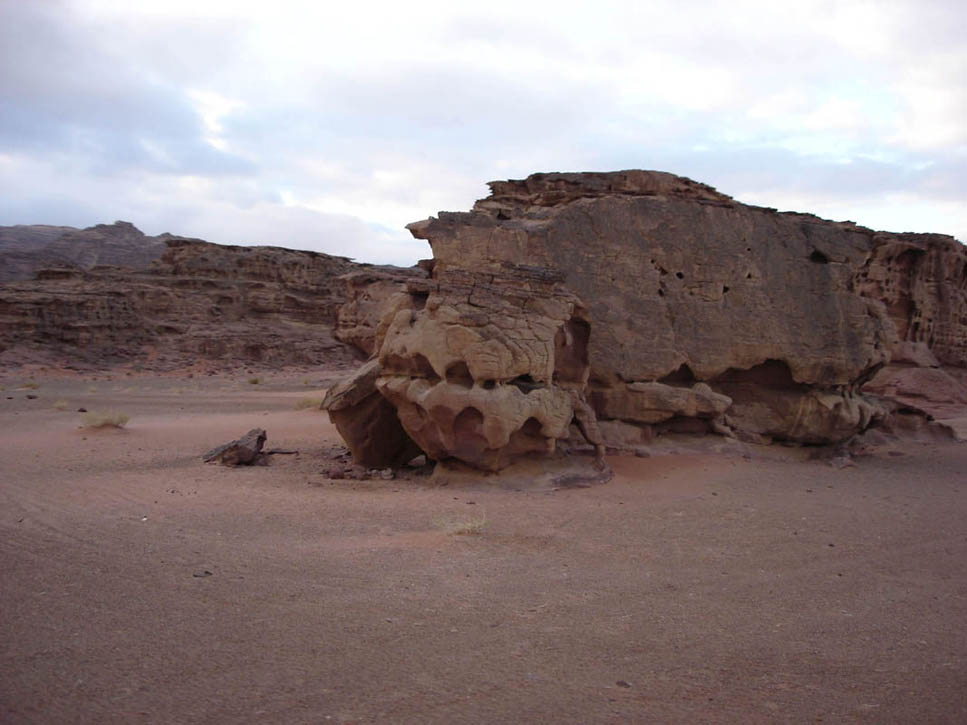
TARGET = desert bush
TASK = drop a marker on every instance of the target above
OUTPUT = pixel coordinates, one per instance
(471, 526)
(31, 385)
(60, 405)
(254, 381)
(105, 419)
(308, 403)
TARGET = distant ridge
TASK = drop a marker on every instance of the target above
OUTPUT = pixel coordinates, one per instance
(27, 249)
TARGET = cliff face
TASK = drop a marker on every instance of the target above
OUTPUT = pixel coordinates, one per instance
(196, 302)
(922, 280)
(689, 312)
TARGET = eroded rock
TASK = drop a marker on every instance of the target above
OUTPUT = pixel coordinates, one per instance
(488, 367)
(245, 451)
(683, 285)
(367, 422)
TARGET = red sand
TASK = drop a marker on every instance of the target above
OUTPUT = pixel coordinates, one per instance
(691, 587)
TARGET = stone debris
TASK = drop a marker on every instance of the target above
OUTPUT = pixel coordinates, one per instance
(245, 451)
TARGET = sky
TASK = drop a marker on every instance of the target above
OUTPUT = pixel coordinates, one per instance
(330, 126)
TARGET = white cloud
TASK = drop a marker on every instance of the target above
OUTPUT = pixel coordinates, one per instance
(224, 118)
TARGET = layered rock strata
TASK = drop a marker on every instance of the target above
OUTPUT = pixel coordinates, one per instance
(197, 302)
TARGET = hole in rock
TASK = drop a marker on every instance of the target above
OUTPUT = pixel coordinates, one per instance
(661, 293)
(571, 350)
(680, 275)
(682, 376)
(419, 299)
(770, 374)
(818, 257)
(415, 366)
(489, 384)
(525, 383)
(725, 288)
(468, 438)
(532, 427)
(459, 374)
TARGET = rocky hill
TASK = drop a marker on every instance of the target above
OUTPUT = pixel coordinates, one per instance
(27, 249)
(170, 302)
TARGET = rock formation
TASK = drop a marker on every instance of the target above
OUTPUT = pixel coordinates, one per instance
(196, 302)
(652, 303)
(370, 294)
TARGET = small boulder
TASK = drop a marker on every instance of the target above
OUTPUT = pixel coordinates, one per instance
(245, 451)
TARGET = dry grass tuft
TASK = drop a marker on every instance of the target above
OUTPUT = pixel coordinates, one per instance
(254, 381)
(60, 405)
(31, 385)
(308, 403)
(108, 419)
(472, 526)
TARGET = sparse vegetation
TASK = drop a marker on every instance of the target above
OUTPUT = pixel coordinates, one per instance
(60, 405)
(470, 526)
(254, 381)
(306, 403)
(30, 385)
(105, 419)
(92, 388)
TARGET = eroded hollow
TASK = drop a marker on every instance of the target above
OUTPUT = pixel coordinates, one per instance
(818, 257)
(571, 351)
(769, 374)
(682, 376)
(414, 366)
(459, 374)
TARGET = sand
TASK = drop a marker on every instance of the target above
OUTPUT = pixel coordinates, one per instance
(142, 585)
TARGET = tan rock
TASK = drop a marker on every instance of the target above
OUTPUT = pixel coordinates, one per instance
(371, 294)
(367, 421)
(488, 368)
(684, 285)
(655, 402)
(922, 280)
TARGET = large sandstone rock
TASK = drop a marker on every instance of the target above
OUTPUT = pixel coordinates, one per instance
(490, 367)
(922, 280)
(370, 294)
(683, 285)
(367, 421)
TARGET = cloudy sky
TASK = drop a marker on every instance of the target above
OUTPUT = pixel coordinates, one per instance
(329, 126)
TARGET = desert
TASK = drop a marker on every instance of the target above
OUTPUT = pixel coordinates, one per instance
(140, 584)
(625, 449)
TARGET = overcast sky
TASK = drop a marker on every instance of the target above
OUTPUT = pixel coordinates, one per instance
(329, 126)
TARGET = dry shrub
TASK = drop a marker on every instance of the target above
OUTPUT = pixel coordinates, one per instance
(471, 526)
(254, 381)
(105, 419)
(308, 403)
(60, 405)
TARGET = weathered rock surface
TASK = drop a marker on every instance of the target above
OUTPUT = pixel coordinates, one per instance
(370, 294)
(922, 280)
(245, 451)
(367, 421)
(683, 285)
(487, 368)
(196, 302)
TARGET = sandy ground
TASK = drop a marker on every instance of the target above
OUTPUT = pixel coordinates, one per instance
(141, 585)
